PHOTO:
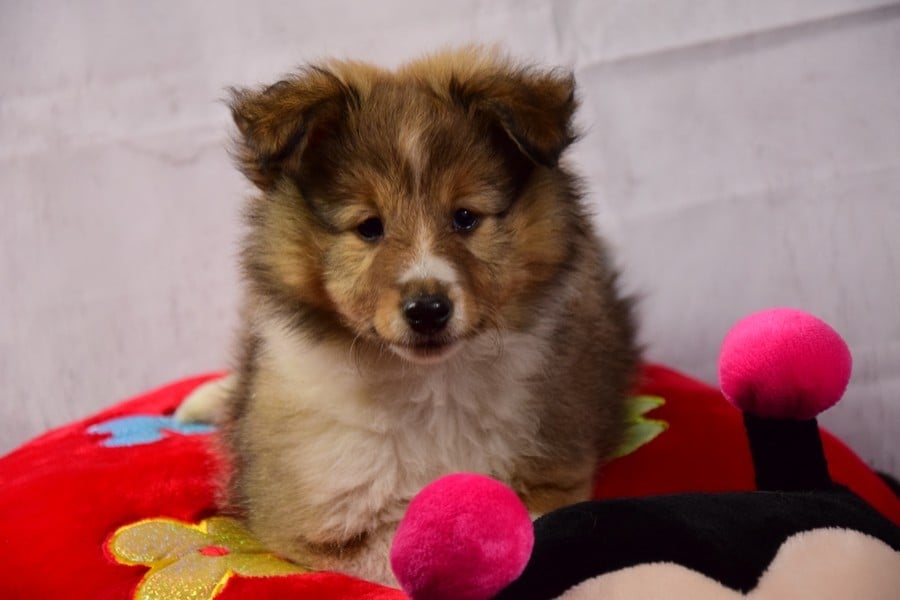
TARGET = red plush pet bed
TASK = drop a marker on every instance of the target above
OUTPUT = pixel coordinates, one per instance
(121, 504)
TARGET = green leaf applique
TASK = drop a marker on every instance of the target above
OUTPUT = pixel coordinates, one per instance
(639, 429)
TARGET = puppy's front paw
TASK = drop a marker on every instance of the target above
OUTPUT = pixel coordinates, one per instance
(208, 403)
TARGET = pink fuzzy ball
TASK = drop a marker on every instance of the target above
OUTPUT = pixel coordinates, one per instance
(464, 537)
(784, 364)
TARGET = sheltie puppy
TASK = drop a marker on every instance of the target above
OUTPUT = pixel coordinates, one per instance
(425, 294)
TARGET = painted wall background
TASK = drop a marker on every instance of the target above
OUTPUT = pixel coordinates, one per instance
(740, 155)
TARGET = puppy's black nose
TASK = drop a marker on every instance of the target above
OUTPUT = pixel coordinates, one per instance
(427, 314)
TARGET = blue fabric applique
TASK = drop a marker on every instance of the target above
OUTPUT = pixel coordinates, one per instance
(144, 429)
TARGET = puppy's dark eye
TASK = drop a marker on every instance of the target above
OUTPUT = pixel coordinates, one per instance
(371, 230)
(464, 220)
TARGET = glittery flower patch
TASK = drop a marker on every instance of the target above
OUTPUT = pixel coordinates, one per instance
(192, 561)
(144, 429)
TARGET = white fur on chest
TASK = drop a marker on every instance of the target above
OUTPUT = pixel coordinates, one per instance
(365, 440)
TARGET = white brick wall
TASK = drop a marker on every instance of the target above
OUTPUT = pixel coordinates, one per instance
(741, 155)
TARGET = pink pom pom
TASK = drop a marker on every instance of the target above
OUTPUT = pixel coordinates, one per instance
(784, 364)
(464, 537)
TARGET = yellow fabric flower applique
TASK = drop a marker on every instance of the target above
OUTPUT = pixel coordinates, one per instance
(193, 561)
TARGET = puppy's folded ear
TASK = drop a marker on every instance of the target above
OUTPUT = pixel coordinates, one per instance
(533, 107)
(279, 123)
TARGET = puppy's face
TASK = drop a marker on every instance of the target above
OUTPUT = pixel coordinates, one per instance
(414, 209)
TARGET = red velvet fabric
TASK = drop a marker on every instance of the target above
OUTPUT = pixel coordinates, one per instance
(705, 449)
(63, 494)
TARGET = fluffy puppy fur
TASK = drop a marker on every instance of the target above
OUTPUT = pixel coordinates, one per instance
(425, 294)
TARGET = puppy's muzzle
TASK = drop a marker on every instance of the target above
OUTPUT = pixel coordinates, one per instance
(427, 314)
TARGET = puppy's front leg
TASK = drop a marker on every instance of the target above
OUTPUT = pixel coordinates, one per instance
(372, 560)
(552, 488)
(366, 555)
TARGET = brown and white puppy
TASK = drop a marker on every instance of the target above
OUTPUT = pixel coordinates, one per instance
(425, 294)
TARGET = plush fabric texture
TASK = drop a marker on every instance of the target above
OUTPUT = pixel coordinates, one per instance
(784, 364)
(464, 537)
(705, 449)
(68, 497)
(824, 564)
(731, 538)
(65, 494)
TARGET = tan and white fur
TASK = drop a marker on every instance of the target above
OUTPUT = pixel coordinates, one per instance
(425, 295)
